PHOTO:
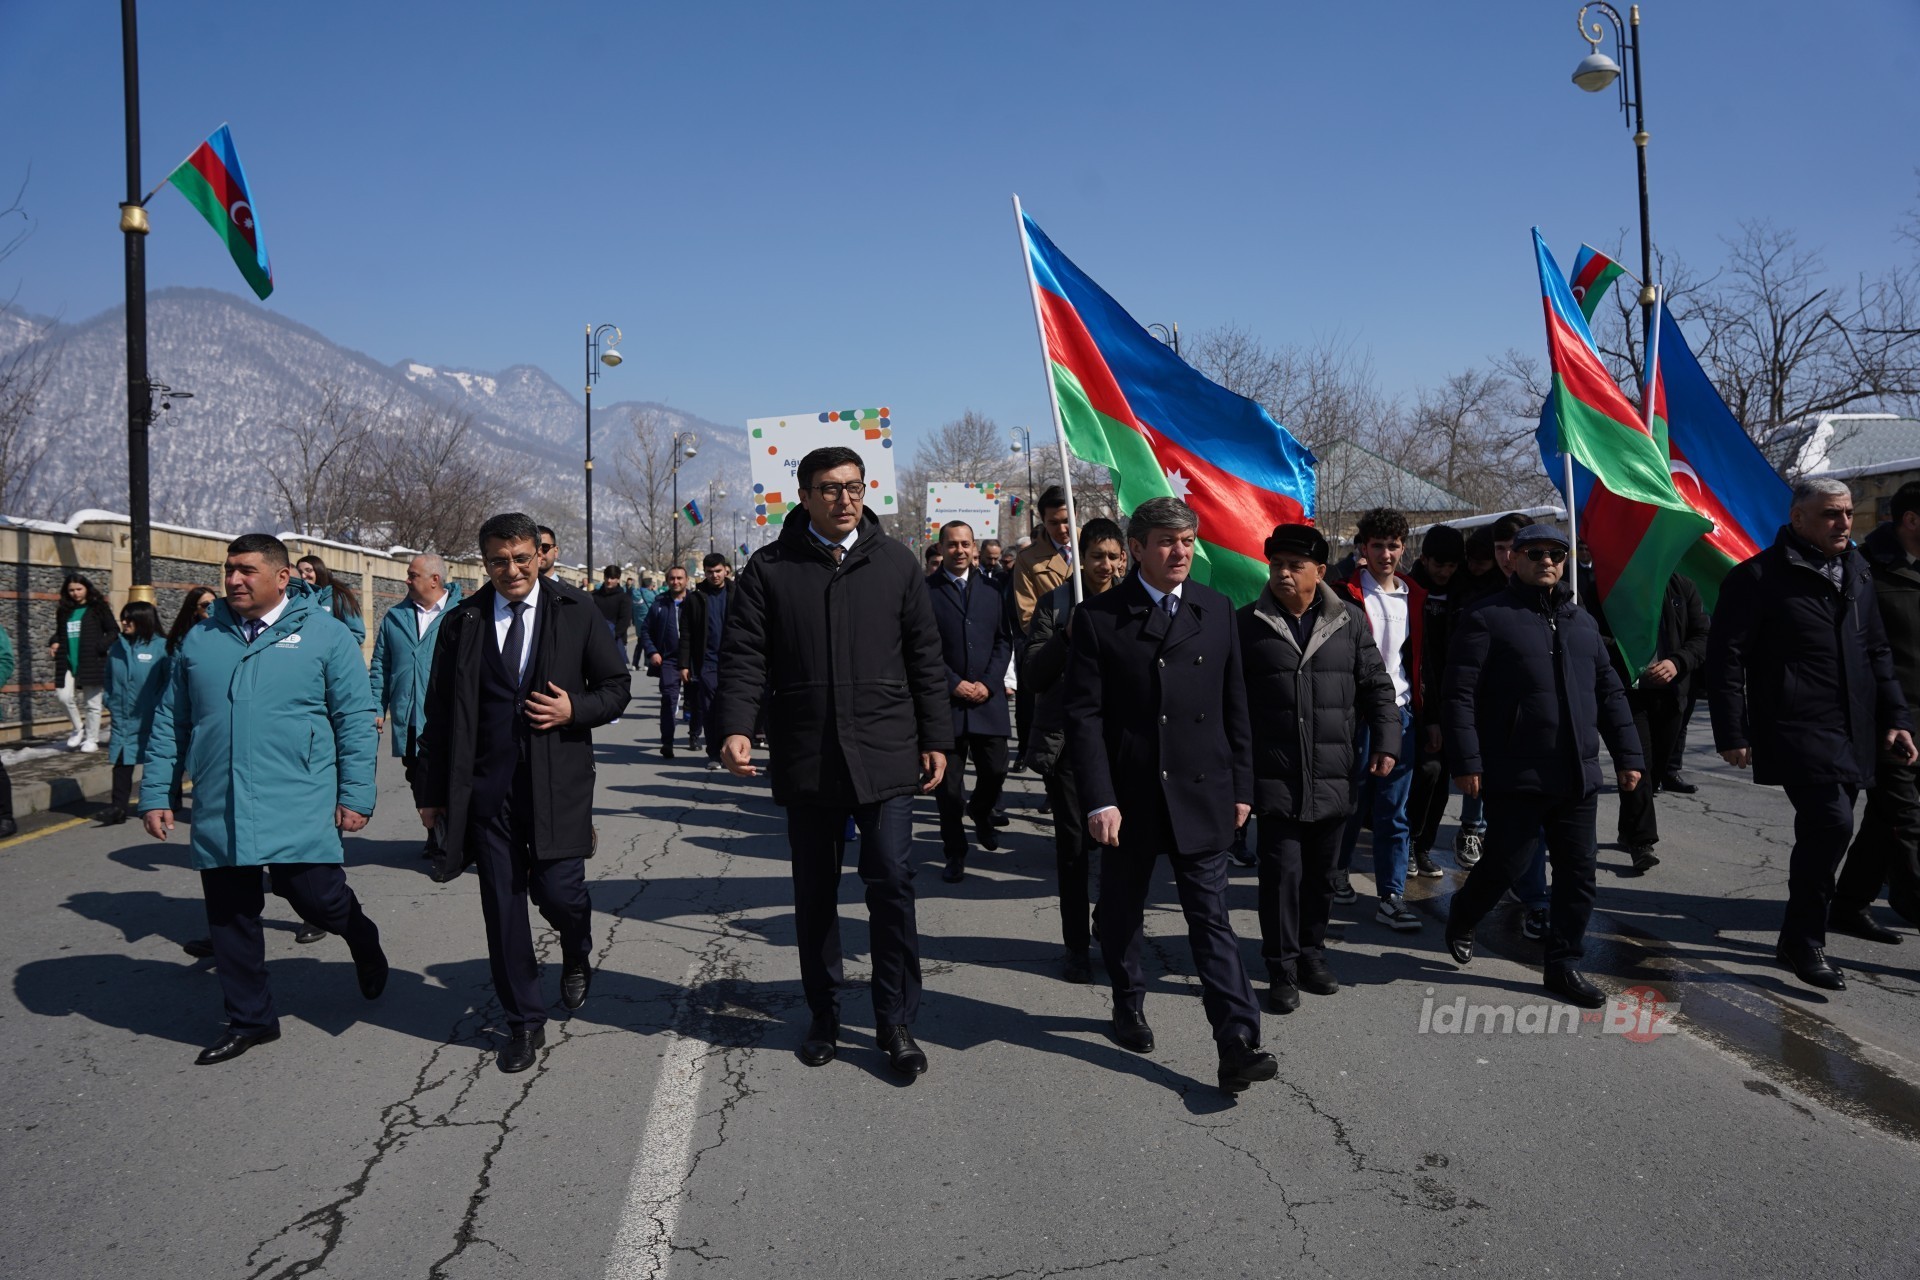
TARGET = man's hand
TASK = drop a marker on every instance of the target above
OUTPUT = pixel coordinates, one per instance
(686, 675)
(1104, 827)
(1468, 784)
(933, 766)
(1665, 671)
(1628, 779)
(736, 753)
(1241, 812)
(347, 820)
(1739, 757)
(379, 724)
(430, 815)
(1380, 765)
(549, 711)
(1430, 739)
(1900, 744)
(653, 661)
(158, 822)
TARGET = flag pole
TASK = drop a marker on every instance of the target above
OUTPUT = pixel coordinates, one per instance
(1573, 526)
(1053, 393)
(1653, 363)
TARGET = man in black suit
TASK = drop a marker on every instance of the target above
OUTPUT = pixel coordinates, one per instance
(975, 646)
(524, 670)
(833, 623)
(986, 561)
(702, 622)
(1162, 751)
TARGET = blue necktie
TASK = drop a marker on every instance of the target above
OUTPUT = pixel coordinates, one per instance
(1171, 603)
(254, 626)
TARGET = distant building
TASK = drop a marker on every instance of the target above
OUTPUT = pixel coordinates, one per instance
(1875, 453)
(1352, 480)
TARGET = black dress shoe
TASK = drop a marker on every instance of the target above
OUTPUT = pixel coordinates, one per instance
(903, 1055)
(1282, 995)
(113, 817)
(1000, 820)
(1242, 1065)
(371, 968)
(1678, 785)
(822, 1042)
(1811, 966)
(1858, 922)
(1315, 976)
(1078, 968)
(232, 1045)
(198, 948)
(518, 1055)
(955, 871)
(310, 933)
(1644, 858)
(983, 833)
(575, 979)
(1461, 947)
(429, 851)
(1132, 1031)
(666, 751)
(1572, 986)
(8, 827)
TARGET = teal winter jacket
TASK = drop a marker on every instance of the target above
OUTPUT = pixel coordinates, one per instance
(273, 733)
(352, 621)
(402, 661)
(135, 678)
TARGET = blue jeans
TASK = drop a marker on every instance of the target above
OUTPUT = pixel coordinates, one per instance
(1473, 815)
(1383, 807)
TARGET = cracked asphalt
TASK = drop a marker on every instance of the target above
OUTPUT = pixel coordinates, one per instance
(1774, 1131)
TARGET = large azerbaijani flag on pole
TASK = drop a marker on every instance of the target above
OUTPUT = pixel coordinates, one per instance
(1632, 518)
(214, 183)
(1128, 403)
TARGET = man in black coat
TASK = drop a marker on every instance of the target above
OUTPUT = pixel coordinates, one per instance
(1659, 698)
(1156, 713)
(1315, 679)
(660, 646)
(1530, 692)
(615, 605)
(833, 622)
(1801, 684)
(701, 626)
(523, 671)
(976, 647)
(1887, 850)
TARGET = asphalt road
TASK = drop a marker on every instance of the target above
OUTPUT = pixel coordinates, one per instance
(668, 1129)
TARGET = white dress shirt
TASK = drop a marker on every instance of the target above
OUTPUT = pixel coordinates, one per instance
(259, 626)
(423, 615)
(845, 544)
(503, 618)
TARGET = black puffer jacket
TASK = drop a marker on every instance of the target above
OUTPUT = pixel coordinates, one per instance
(850, 657)
(1799, 670)
(1530, 692)
(1306, 706)
(1896, 585)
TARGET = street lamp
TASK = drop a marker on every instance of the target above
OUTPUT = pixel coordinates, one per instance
(1023, 443)
(596, 357)
(1168, 337)
(1594, 74)
(714, 494)
(133, 225)
(685, 445)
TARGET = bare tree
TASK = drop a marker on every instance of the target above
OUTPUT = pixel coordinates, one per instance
(23, 377)
(320, 467)
(423, 483)
(642, 482)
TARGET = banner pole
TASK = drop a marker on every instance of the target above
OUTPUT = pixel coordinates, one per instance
(1573, 528)
(1053, 393)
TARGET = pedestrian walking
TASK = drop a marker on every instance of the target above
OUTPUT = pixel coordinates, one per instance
(641, 595)
(705, 621)
(549, 547)
(986, 561)
(1442, 551)
(271, 705)
(1162, 753)
(615, 605)
(1530, 694)
(975, 647)
(334, 596)
(83, 634)
(1042, 565)
(403, 663)
(833, 623)
(136, 667)
(523, 672)
(1659, 697)
(660, 638)
(1316, 690)
(1801, 685)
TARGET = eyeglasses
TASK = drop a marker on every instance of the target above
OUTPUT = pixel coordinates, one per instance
(499, 563)
(1553, 554)
(855, 489)
(545, 547)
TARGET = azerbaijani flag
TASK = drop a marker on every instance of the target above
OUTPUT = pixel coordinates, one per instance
(1129, 404)
(1632, 519)
(214, 183)
(1593, 274)
(744, 553)
(692, 512)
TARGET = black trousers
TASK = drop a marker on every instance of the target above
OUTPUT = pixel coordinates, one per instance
(509, 875)
(408, 763)
(700, 692)
(989, 756)
(1126, 876)
(1661, 723)
(122, 786)
(1515, 822)
(816, 837)
(1427, 801)
(1071, 848)
(1887, 850)
(319, 894)
(669, 702)
(1822, 825)
(1296, 888)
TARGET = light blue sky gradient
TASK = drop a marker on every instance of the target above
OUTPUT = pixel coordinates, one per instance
(790, 206)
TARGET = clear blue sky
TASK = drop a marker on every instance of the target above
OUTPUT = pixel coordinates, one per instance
(791, 206)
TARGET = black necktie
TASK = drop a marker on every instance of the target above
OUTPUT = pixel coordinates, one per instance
(516, 639)
(1171, 603)
(254, 627)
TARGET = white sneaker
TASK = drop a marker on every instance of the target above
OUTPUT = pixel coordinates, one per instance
(79, 736)
(89, 748)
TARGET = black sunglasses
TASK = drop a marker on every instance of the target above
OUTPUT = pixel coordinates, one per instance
(1555, 554)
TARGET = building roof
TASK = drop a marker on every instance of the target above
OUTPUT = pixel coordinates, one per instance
(1857, 444)
(1355, 479)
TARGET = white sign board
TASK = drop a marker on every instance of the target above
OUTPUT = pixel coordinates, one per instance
(977, 504)
(776, 445)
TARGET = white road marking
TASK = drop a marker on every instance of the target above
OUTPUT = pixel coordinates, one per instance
(643, 1243)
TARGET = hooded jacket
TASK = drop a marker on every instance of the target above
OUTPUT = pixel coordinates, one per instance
(136, 677)
(402, 665)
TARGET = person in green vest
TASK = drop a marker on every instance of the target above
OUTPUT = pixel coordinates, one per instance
(267, 705)
(403, 659)
(135, 677)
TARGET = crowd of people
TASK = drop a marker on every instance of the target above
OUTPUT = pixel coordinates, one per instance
(1161, 719)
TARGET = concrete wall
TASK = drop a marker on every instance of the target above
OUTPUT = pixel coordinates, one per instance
(35, 556)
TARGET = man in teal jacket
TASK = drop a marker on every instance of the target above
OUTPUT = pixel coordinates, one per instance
(403, 659)
(267, 708)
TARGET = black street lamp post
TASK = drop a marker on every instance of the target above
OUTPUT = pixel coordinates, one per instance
(1023, 443)
(133, 225)
(1595, 72)
(595, 358)
(689, 442)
